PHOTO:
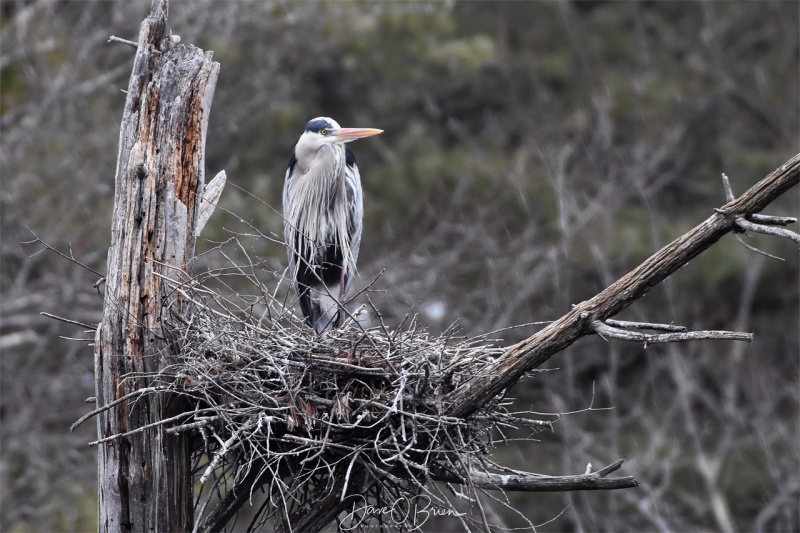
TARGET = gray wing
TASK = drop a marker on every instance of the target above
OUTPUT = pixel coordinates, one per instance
(288, 231)
(355, 204)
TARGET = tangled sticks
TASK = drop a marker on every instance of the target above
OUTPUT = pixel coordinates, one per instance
(308, 416)
(354, 419)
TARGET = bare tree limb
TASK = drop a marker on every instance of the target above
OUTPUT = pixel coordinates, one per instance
(607, 331)
(69, 257)
(535, 350)
(627, 324)
(529, 482)
(68, 321)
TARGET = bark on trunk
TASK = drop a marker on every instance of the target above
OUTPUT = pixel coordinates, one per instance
(144, 480)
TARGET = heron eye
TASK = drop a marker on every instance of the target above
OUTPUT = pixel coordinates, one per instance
(323, 132)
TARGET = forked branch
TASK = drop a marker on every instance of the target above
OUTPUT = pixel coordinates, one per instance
(583, 318)
(608, 331)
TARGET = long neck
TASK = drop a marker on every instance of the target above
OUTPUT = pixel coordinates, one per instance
(319, 208)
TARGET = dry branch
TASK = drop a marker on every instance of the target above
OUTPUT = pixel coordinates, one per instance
(607, 331)
(528, 482)
(535, 350)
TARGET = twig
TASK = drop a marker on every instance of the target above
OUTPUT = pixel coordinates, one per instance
(626, 324)
(106, 407)
(68, 321)
(607, 331)
(67, 257)
(756, 250)
(772, 220)
(470, 481)
(140, 429)
(227, 445)
(767, 230)
(194, 425)
(726, 185)
(123, 41)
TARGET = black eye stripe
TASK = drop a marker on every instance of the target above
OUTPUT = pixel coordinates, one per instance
(318, 125)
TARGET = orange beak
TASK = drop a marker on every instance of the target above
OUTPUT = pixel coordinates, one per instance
(351, 134)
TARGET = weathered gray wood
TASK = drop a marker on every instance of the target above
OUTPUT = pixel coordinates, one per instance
(527, 482)
(211, 194)
(144, 480)
(538, 348)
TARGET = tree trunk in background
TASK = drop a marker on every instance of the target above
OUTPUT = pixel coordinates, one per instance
(145, 479)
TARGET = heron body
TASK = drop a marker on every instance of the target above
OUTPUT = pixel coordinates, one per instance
(322, 212)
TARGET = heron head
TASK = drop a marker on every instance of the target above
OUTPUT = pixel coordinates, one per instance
(324, 130)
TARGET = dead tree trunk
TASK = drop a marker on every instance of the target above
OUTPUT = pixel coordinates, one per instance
(144, 478)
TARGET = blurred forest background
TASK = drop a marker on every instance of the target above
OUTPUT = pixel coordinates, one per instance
(533, 153)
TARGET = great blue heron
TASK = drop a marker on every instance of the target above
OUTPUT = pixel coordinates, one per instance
(322, 212)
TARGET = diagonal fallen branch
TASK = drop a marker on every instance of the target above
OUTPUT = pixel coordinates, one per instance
(493, 379)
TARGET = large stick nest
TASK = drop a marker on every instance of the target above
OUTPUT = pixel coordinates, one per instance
(272, 405)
